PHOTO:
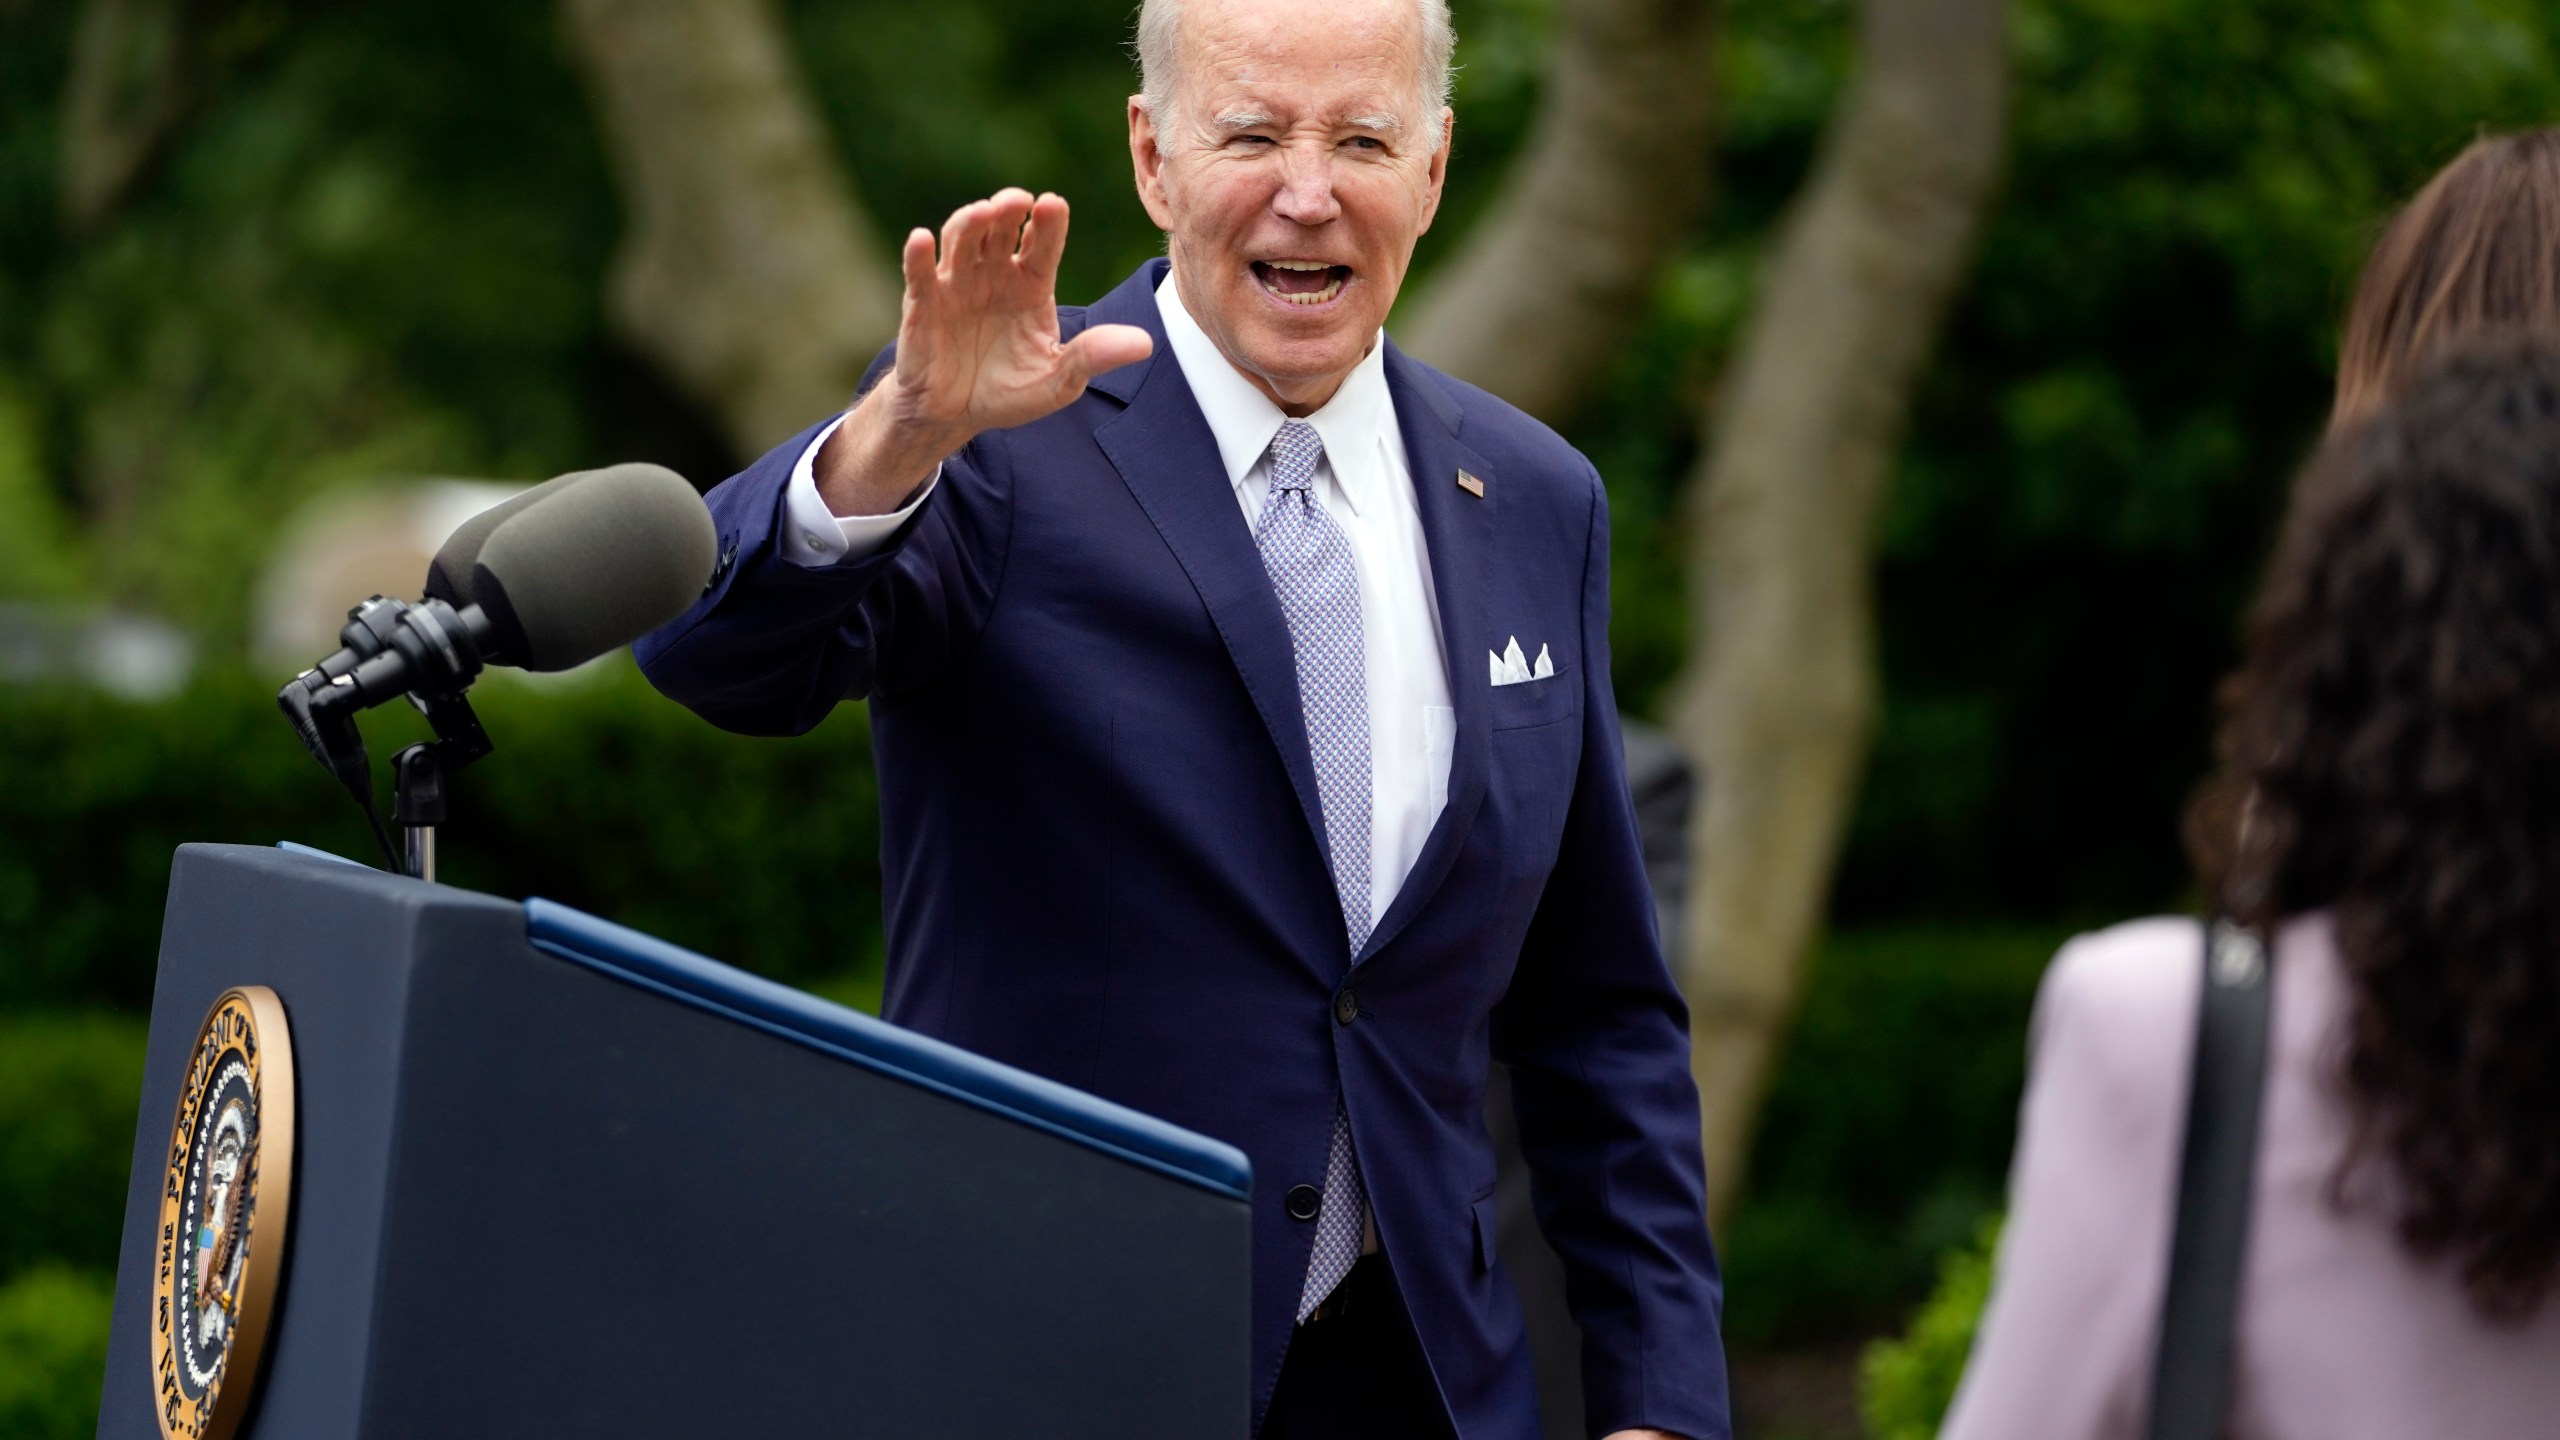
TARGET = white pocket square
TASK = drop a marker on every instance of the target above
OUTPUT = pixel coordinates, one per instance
(1511, 668)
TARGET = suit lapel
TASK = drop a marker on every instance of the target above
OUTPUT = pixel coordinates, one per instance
(1164, 451)
(1457, 527)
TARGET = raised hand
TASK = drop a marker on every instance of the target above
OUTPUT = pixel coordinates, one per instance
(978, 349)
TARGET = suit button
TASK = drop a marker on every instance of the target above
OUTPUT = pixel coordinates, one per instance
(1303, 1202)
(1346, 1007)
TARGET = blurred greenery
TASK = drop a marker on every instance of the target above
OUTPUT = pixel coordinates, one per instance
(600, 795)
(1907, 1382)
(1886, 1135)
(69, 1084)
(2098, 454)
(380, 250)
(53, 1352)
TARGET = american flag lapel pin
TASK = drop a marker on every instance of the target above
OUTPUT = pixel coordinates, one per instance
(1470, 484)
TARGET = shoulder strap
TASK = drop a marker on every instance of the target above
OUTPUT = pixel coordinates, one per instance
(2191, 1386)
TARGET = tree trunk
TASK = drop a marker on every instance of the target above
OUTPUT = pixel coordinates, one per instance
(1778, 700)
(1551, 280)
(748, 269)
(141, 70)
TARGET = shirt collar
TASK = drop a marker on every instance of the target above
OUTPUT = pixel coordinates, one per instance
(1243, 418)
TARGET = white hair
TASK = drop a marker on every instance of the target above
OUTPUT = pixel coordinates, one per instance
(1160, 56)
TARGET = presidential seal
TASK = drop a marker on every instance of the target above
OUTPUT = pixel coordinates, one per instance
(224, 1199)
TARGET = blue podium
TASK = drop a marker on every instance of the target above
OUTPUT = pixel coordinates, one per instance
(551, 1177)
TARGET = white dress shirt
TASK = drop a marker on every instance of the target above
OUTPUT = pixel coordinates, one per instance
(1364, 485)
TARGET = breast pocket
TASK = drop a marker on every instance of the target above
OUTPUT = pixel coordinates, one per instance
(1541, 701)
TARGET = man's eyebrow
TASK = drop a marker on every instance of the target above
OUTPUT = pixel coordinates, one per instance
(1384, 121)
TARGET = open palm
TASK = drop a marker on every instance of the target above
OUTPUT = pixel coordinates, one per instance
(978, 345)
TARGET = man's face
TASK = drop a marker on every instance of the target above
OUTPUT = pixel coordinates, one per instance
(1298, 162)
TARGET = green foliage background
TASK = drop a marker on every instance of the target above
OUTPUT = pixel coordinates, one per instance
(1910, 1380)
(381, 251)
(600, 795)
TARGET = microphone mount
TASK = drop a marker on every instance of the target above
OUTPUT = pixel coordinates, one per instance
(428, 651)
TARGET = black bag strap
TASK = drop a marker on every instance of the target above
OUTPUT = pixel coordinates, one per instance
(2199, 1314)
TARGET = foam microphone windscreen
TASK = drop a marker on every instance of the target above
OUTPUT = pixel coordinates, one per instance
(584, 564)
(449, 573)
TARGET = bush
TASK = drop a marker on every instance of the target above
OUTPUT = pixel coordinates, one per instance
(69, 1089)
(601, 794)
(53, 1353)
(1887, 1132)
(1907, 1384)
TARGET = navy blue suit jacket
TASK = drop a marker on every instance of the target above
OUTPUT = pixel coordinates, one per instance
(1104, 860)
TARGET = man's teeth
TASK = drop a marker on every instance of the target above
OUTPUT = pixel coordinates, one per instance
(1330, 289)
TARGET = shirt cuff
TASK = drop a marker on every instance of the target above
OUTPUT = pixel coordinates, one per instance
(814, 537)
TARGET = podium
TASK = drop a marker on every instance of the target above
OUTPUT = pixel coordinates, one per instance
(551, 1177)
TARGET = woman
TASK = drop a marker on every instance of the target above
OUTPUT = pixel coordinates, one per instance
(2393, 741)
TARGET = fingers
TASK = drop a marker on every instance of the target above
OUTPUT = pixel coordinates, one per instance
(1007, 225)
(1104, 347)
(955, 231)
(991, 258)
(1006, 210)
(915, 262)
(1044, 238)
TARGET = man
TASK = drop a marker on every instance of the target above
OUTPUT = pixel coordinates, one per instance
(1240, 689)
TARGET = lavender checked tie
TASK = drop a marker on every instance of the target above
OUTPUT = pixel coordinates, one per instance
(1309, 561)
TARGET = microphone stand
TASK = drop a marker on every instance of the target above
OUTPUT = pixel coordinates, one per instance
(418, 773)
(429, 651)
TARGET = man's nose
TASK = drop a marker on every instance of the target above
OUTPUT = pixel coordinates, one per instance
(1306, 186)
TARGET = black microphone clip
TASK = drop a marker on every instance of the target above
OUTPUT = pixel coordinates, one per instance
(430, 652)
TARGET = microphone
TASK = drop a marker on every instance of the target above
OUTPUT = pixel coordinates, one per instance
(579, 565)
(548, 580)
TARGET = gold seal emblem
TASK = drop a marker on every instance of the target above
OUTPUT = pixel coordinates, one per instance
(225, 1196)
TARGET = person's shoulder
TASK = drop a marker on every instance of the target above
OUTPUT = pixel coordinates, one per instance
(2118, 1005)
(1523, 450)
(2139, 964)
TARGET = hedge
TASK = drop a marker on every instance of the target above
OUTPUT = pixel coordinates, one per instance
(1907, 1383)
(1885, 1140)
(53, 1353)
(600, 794)
(69, 1088)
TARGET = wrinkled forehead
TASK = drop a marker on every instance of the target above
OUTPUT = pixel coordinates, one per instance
(1303, 60)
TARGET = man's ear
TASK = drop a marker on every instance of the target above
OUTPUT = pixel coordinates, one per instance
(1436, 169)
(1146, 159)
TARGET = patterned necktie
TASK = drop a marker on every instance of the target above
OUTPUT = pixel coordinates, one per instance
(1309, 561)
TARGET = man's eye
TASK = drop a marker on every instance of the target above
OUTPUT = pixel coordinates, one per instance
(1253, 140)
(1366, 142)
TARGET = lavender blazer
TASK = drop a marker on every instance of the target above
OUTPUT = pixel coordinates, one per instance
(2342, 1335)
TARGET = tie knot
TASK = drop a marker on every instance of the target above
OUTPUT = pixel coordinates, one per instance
(1294, 453)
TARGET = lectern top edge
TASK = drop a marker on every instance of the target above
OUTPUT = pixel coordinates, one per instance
(887, 1049)
(635, 958)
(794, 1015)
(314, 852)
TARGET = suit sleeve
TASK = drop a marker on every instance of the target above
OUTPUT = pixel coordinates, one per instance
(1597, 1038)
(772, 646)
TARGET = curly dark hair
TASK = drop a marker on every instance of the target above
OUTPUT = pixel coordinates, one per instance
(2391, 753)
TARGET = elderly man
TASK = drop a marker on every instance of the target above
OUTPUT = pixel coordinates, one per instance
(1247, 753)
